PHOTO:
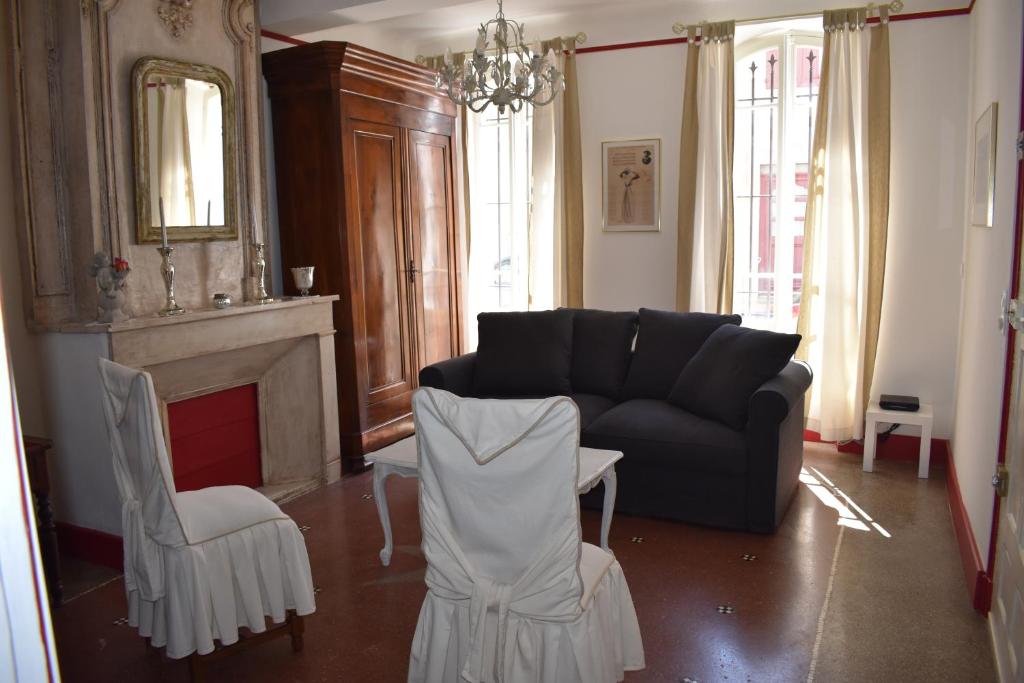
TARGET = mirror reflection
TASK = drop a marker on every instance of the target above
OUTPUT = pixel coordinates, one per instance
(184, 151)
(184, 119)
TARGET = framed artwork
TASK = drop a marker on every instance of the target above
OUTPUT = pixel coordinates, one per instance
(984, 167)
(631, 185)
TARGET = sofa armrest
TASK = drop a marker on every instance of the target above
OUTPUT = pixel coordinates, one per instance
(454, 375)
(775, 445)
(773, 400)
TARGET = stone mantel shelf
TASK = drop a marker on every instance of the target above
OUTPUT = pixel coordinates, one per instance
(194, 315)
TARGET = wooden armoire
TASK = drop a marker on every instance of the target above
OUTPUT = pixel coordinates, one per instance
(365, 152)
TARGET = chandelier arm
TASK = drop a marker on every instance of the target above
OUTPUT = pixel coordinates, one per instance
(513, 78)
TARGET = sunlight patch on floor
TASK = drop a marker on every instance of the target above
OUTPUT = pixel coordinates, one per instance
(851, 515)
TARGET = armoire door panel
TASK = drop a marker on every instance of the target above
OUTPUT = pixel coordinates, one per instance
(365, 192)
(378, 177)
(432, 220)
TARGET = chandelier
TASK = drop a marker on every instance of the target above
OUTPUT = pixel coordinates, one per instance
(513, 76)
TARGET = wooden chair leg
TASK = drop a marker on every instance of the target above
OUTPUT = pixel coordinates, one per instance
(298, 628)
(195, 667)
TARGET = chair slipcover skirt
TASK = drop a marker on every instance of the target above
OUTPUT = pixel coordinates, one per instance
(214, 588)
(598, 646)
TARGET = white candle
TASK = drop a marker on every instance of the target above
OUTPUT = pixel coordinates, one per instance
(163, 225)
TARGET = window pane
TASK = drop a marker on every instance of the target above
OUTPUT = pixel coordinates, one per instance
(754, 150)
(500, 172)
(776, 102)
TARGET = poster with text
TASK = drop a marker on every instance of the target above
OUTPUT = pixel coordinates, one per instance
(632, 185)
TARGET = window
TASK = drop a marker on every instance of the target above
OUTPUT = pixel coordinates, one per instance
(500, 170)
(776, 100)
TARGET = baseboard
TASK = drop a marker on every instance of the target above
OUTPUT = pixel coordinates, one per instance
(91, 545)
(894, 447)
(979, 583)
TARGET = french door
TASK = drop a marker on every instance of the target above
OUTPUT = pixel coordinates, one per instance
(1007, 615)
(1006, 619)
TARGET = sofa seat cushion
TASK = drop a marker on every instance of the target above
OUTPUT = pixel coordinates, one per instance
(669, 438)
(665, 343)
(602, 344)
(524, 354)
(592, 406)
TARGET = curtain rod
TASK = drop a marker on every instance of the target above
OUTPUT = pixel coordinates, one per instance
(896, 6)
(579, 39)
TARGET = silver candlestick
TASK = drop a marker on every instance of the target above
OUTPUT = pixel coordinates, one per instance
(260, 266)
(171, 307)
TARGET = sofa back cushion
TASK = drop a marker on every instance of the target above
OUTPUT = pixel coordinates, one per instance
(719, 380)
(523, 354)
(665, 343)
(602, 343)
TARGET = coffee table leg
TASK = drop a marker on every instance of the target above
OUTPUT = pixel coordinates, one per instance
(610, 484)
(380, 473)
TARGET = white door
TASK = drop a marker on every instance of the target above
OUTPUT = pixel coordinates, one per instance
(1007, 616)
(26, 639)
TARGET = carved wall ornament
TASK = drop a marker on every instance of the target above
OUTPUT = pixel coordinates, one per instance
(176, 15)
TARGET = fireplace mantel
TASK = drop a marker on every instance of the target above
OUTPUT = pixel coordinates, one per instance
(285, 347)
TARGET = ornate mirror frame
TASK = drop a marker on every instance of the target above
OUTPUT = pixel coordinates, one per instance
(145, 231)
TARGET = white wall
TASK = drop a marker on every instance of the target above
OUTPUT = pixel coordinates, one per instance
(630, 94)
(81, 469)
(995, 56)
(920, 309)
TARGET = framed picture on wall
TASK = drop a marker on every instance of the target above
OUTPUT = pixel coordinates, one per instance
(631, 185)
(984, 167)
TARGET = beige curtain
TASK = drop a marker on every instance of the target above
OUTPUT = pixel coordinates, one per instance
(846, 223)
(704, 248)
(556, 218)
(878, 186)
(172, 153)
(572, 182)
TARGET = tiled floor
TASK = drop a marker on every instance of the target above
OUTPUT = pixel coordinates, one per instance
(713, 605)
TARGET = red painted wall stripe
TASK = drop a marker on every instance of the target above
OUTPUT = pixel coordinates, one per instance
(895, 447)
(979, 584)
(933, 14)
(91, 545)
(282, 37)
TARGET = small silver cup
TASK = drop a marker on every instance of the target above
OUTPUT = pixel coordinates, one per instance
(303, 277)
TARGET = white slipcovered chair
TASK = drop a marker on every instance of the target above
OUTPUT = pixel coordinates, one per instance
(198, 565)
(513, 596)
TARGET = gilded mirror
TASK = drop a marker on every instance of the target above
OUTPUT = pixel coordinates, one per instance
(183, 116)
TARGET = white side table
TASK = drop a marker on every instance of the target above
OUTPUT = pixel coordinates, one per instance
(400, 458)
(921, 418)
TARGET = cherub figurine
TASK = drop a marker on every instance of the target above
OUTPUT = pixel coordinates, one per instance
(110, 281)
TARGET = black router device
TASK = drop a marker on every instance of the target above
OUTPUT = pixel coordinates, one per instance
(908, 404)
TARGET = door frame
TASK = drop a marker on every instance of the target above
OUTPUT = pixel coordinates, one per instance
(983, 602)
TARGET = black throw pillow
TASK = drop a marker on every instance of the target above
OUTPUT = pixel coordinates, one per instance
(665, 343)
(523, 354)
(602, 343)
(719, 380)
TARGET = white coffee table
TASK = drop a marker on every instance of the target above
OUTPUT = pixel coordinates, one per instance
(400, 458)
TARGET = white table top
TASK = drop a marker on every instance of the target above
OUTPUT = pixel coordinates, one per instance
(593, 461)
(920, 416)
